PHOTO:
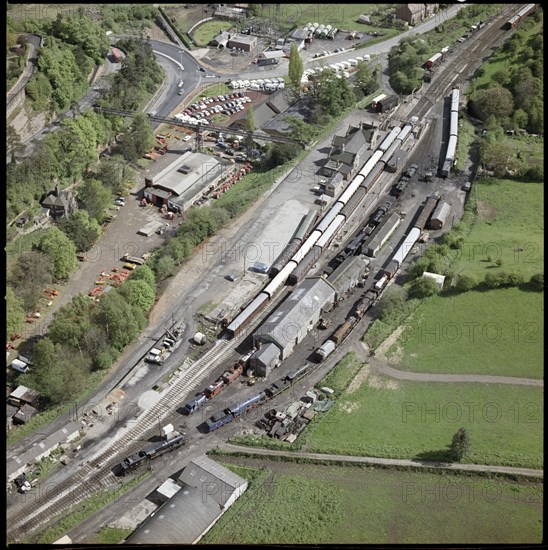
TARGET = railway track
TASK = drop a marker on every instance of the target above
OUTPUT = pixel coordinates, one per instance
(96, 474)
(472, 57)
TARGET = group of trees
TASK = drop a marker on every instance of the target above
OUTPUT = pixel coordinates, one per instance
(515, 97)
(85, 337)
(138, 78)
(64, 155)
(405, 62)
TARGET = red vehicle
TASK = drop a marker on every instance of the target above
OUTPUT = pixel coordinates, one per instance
(213, 389)
(230, 375)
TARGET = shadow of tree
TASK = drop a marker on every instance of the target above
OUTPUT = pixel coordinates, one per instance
(438, 457)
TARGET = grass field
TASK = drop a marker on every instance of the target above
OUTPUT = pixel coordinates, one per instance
(499, 332)
(510, 226)
(312, 504)
(401, 419)
(206, 32)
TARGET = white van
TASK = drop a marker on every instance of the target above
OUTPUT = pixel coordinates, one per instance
(20, 366)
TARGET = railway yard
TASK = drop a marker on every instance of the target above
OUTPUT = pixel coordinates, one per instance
(381, 215)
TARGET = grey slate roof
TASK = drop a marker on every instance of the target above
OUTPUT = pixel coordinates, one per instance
(294, 314)
(184, 518)
(267, 354)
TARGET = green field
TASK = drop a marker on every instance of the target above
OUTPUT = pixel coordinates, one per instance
(499, 332)
(312, 504)
(510, 226)
(206, 32)
(401, 419)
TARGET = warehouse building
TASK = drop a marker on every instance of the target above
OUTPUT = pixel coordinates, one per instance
(184, 180)
(207, 491)
(296, 316)
(278, 126)
(440, 215)
(266, 358)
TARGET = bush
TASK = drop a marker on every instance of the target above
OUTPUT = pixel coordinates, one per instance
(423, 288)
(465, 283)
(536, 282)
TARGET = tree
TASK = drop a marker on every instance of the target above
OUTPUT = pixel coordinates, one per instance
(138, 140)
(62, 377)
(460, 445)
(139, 293)
(423, 288)
(61, 251)
(279, 154)
(82, 230)
(121, 321)
(13, 142)
(365, 79)
(250, 120)
(296, 69)
(71, 322)
(254, 9)
(495, 101)
(536, 282)
(29, 276)
(164, 267)
(392, 300)
(465, 283)
(144, 273)
(15, 316)
(333, 94)
(500, 157)
(95, 199)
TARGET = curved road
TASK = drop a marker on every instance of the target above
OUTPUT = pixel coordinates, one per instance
(384, 461)
(383, 368)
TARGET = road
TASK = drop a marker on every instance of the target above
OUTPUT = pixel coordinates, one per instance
(384, 461)
(181, 303)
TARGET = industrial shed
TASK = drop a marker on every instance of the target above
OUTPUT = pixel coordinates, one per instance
(380, 238)
(184, 180)
(297, 315)
(265, 359)
(207, 491)
(440, 215)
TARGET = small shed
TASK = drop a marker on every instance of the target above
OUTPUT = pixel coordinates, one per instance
(265, 359)
(437, 277)
(387, 103)
(26, 412)
(22, 395)
(440, 215)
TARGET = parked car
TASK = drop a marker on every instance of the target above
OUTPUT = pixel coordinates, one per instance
(187, 138)
(230, 277)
